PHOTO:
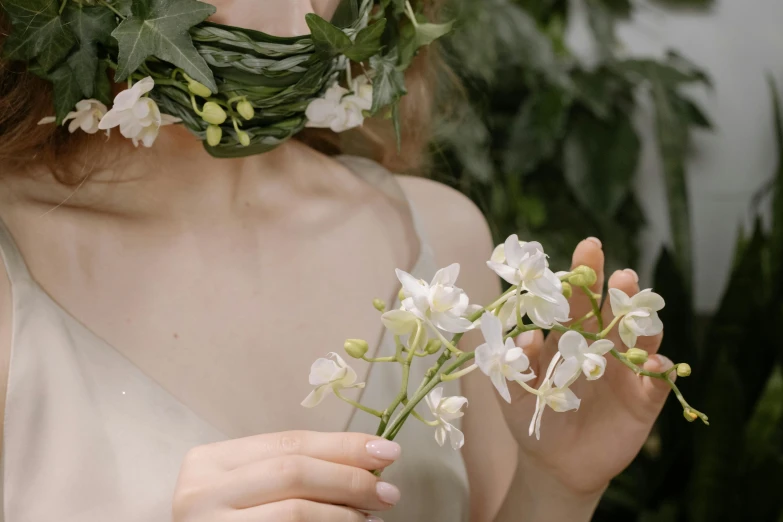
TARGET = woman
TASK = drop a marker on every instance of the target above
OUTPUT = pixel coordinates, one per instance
(159, 314)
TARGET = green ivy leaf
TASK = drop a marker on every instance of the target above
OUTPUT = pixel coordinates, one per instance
(123, 7)
(388, 83)
(327, 38)
(92, 26)
(67, 91)
(39, 32)
(367, 43)
(160, 28)
(428, 33)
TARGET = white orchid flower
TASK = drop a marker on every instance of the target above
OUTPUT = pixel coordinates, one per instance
(559, 399)
(578, 356)
(446, 409)
(525, 264)
(501, 360)
(544, 312)
(640, 314)
(138, 116)
(439, 302)
(86, 117)
(328, 375)
(340, 109)
(400, 322)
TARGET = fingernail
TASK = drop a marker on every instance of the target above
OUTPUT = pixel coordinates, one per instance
(633, 273)
(387, 493)
(384, 449)
(373, 519)
(595, 241)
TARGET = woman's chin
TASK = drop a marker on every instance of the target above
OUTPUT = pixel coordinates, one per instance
(275, 17)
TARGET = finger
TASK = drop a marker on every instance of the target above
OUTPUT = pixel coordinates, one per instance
(657, 390)
(353, 449)
(589, 253)
(300, 477)
(300, 511)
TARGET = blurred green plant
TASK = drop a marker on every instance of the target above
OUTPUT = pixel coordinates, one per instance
(546, 143)
(732, 470)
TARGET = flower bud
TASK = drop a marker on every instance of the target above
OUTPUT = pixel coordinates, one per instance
(213, 113)
(433, 346)
(689, 415)
(637, 355)
(356, 348)
(683, 370)
(379, 304)
(583, 276)
(199, 89)
(245, 109)
(244, 138)
(401, 295)
(214, 135)
(568, 291)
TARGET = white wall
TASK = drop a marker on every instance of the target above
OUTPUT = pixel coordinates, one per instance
(737, 42)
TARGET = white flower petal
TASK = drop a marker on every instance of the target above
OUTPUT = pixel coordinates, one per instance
(450, 322)
(324, 371)
(316, 396)
(627, 335)
(47, 120)
(513, 251)
(440, 435)
(400, 322)
(621, 303)
(446, 276)
(499, 254)
(492, 329)
(593, 366)
(566, 371)
(456, 437)
(648, 299)
(499, 380)
(600, 347)
(510, 275)
(572, 344)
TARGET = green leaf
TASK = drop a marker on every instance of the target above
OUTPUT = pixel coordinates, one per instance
(427, 33)
(123, 7)
(66, 89)
(328, 39)
(39, 32)
(388, 83)
(367, 43)
(92, 26)
(159, 28)
(600, 160)
(102, 91)
(536, 131)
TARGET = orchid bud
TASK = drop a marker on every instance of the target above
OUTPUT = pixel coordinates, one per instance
(568, 291)
(583, 276)
(683, 370)
(379, 304)
(689, 415)
(213, 113)
(244, 138)
(433, 346)
(214, 135)
(401, 295)
(637, 355)
(199, 89)
(356, 348)
(245, 109)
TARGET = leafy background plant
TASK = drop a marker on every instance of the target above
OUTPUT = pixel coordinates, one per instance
(545, 144)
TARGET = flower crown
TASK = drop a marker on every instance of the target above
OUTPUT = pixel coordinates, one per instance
(240, 91)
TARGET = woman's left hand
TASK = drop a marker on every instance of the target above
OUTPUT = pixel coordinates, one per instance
(583, 450)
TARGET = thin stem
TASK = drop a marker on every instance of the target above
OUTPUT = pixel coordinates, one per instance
(446, 342)
(456, 375)
(411, 14)
(586, 335)
(419, 417)
(595, 306)
(579, 322)
(62, 6)
(528, 387)
(517, 308)
(356, 404)
(195, 105)
(379, 359)
(107, 4)
(608, 329)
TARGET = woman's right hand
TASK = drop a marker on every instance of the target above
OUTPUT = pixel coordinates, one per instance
(296, 476)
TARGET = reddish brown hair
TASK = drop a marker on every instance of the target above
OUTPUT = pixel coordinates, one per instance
(25, 99)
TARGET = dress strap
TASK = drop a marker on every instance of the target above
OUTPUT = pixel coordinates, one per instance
(14, 262)
(378, 176)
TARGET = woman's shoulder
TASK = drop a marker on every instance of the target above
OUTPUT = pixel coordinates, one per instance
(456, 230)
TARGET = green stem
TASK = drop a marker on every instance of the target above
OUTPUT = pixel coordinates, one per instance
(419, 417)
(379, 359)
(62, 6)
(107, 4)
(448, 344)
(594, 304)
(586, 335)
(579, 322)
(356, 404)
(608, 329)
(456, 375)
(411, 14)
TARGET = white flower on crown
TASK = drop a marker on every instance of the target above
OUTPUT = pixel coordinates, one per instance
(446, 409)
(138, 116)
(579, 357)
(328, 375)
(438, 302)
(340, 109)
(501, 360)
(86, 117)
(525, 264)
(544, 312)
(640, 314)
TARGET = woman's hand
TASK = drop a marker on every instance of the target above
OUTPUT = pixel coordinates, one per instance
(286, 477)
(580, 452)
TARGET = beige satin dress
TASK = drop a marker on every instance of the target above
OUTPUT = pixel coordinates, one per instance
(89, 437)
